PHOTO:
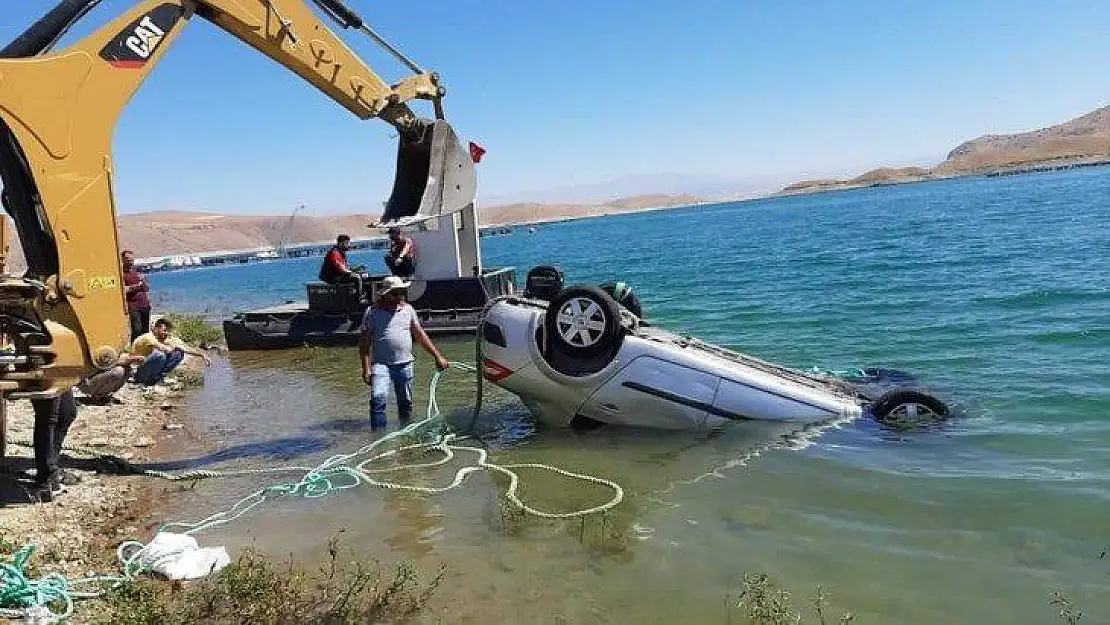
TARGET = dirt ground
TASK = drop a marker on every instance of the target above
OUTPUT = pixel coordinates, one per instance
(77, 533)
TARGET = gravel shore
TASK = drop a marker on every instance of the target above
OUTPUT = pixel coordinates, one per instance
(77, 533)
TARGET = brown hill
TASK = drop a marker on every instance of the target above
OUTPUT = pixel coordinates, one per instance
(875, 177)
(1083, 140)
(532, 212)
(168, 233)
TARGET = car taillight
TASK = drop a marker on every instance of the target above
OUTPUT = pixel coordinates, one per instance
(493, 371)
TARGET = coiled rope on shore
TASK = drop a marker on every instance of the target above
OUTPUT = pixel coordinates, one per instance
(22, 597)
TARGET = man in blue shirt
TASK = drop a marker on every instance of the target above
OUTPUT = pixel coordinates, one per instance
(385, 348)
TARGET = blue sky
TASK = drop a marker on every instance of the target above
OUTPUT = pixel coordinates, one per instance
(574, 93)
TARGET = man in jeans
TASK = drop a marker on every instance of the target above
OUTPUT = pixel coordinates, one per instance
(160, 356)
(53, 417)
(385, 347)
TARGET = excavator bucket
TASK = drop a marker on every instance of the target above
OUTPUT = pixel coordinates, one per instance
(435, 176)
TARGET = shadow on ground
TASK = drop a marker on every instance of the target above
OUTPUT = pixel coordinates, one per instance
(16, 481)
(279, 449)
(346, 426)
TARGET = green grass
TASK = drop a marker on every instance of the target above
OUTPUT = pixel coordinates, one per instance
(763, 602)
(1067, 610)
(189, 378)
(195, 330)
(7, 547)
(255, 589)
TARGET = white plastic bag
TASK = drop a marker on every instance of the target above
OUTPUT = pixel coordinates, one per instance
(179, 556)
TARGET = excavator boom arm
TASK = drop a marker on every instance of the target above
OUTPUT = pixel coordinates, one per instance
(67, 316)
(290, 33)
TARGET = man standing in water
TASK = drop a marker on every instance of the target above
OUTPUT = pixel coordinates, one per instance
(385, 348)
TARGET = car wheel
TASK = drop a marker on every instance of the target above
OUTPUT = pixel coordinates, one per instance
(583, 322)
(625, 296)
(907, 407)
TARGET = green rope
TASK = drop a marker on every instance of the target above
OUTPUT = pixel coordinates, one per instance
(18, 591)
(853, 372)
(21, 596)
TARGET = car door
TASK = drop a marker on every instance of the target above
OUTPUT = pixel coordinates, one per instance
(656, 393)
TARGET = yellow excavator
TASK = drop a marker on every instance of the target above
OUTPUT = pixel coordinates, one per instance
(66, 317)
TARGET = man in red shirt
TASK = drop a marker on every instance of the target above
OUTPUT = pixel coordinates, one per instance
(135, 288)
(335, 269)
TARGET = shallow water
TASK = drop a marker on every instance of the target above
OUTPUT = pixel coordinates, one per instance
(995, 291)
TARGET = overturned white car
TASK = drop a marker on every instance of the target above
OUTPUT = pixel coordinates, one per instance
(584, 354)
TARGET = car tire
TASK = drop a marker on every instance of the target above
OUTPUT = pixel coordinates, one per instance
(625, 296)
(906, 407)
(583, 322)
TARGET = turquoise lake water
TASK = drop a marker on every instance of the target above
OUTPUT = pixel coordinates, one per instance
(995, 291)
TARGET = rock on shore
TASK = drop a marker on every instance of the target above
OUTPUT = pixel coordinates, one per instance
(77, 533)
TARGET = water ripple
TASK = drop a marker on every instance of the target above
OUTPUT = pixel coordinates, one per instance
(996, 291)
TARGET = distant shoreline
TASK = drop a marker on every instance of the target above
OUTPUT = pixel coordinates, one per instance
(1038, 167)
(179, 226)
(613, 213)
(1083, 141)
(1033, 167)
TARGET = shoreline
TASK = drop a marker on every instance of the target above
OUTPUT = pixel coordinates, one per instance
(77, 533)
(1032, 167)
(613, 213)
(1021, 169)
(494, 224)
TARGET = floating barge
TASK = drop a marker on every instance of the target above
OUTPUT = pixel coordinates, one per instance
(333, 313)
(433, 202)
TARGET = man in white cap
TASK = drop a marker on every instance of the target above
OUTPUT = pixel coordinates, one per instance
(385, 348)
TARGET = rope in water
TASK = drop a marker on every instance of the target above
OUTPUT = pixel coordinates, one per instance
(23, 597)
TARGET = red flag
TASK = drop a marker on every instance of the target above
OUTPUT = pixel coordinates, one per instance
(476, 152)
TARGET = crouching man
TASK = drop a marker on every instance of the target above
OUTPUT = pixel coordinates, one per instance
(162, 353)
(100, 387)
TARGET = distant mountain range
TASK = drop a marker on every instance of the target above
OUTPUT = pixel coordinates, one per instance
(1083, 140)
(599, 192)
(171, 233)
(534, 212)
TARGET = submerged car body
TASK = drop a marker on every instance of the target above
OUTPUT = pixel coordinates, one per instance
(577, 355)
